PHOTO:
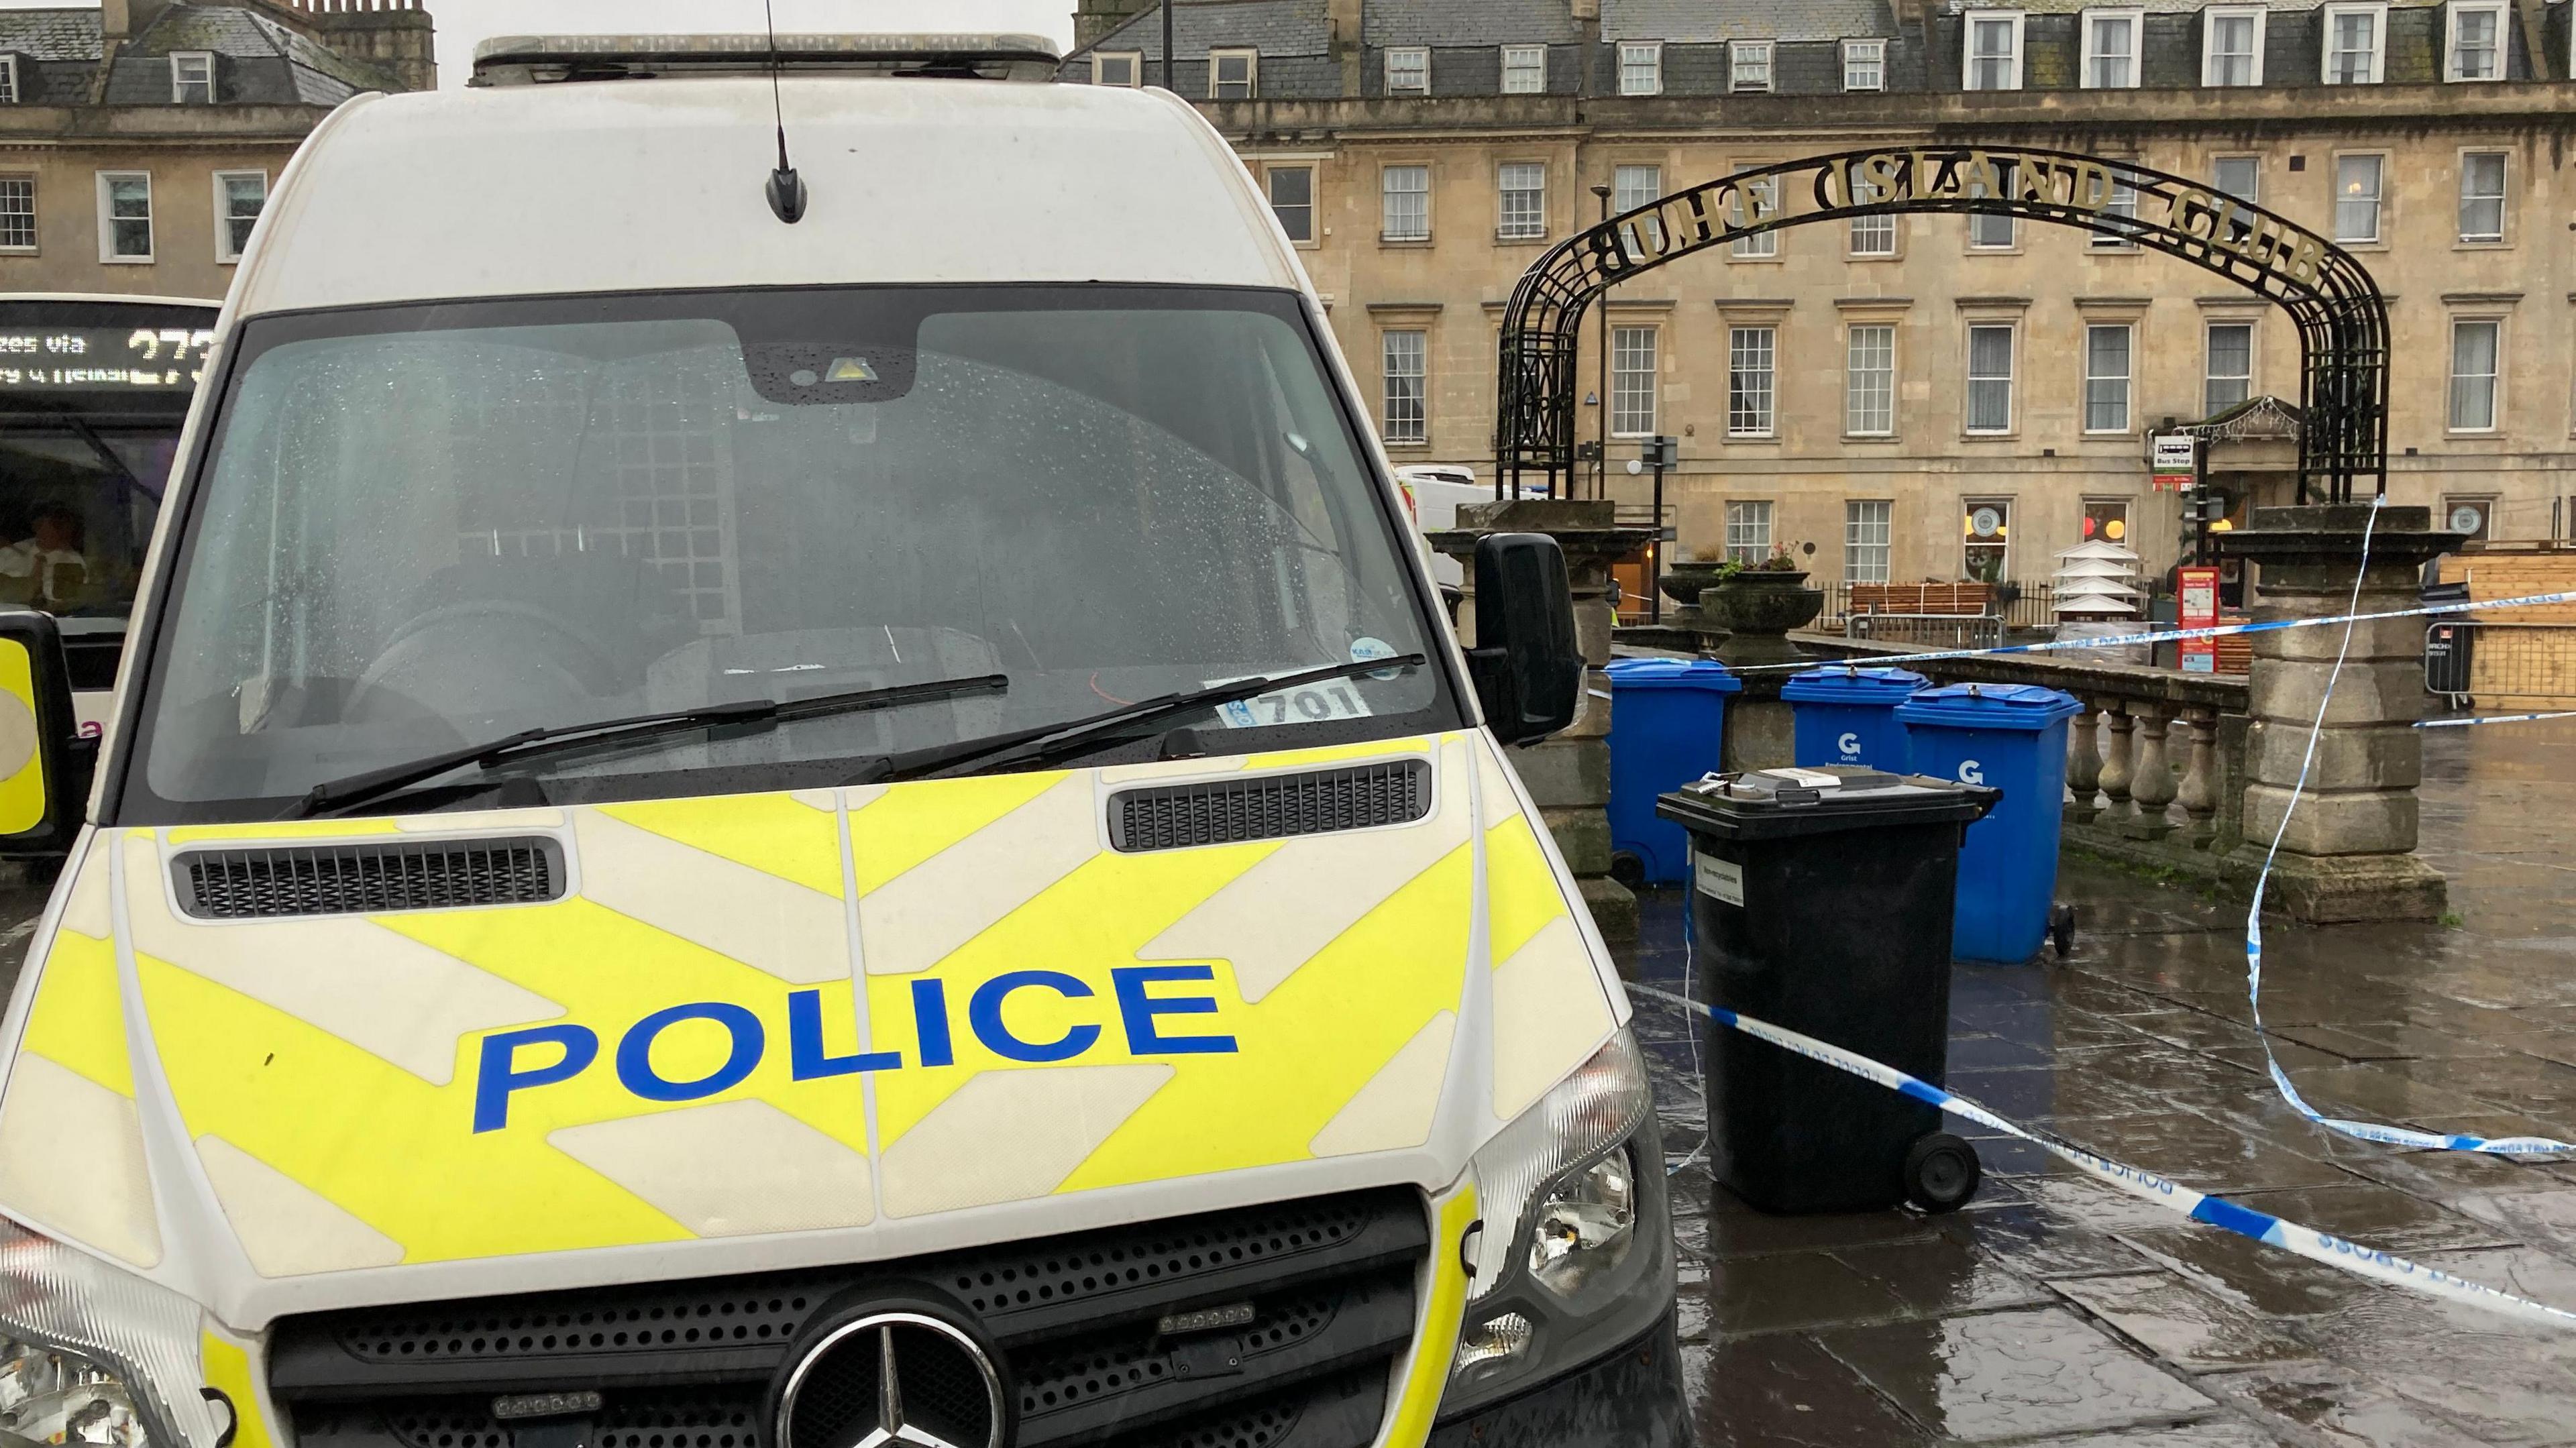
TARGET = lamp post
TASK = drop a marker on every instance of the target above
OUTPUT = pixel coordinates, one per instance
(1601, 456)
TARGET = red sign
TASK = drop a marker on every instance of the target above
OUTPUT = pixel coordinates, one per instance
(2199, 590)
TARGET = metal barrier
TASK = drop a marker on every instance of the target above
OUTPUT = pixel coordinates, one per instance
(1940, 630)
(2510, 664)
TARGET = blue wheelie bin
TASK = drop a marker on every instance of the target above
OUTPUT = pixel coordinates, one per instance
(1845, 714)
(1667, 729)
(2010, 737)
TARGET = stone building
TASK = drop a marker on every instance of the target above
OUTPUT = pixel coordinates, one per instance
(1925, 397)
(138, 139)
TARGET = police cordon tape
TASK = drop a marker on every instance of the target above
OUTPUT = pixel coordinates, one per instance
(2214, 631)
(2263, 1227)
(2493, 719)
(2358, 1130)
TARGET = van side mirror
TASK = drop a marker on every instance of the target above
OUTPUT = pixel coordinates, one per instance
(44, 777)
(1527, 664)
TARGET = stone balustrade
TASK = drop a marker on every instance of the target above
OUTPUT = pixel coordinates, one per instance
(2155, 769)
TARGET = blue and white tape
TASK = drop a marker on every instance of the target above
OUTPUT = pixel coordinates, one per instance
(2493, 719)
(2358, 1130)
(2214, 631)
(2181, 1200)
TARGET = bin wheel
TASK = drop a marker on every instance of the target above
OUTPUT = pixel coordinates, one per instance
(2061, 929)
(1941, 1173)
(1628, 870)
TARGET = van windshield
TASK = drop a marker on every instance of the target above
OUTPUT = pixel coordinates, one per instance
(426, 527)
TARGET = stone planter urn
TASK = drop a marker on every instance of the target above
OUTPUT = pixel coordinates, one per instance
(1757, 608)
(1683, 583)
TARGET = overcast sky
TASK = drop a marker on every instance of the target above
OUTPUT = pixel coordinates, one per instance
(462, 23)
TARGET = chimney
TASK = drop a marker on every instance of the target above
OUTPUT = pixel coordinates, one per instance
(122, 19)
(1587, 10)
(1343, 19)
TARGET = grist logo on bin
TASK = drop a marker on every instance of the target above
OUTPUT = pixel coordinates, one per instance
(514, 1061)
(1849, 744)
(1971, 772)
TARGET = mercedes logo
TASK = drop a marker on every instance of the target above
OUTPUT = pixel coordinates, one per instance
(893, 1379)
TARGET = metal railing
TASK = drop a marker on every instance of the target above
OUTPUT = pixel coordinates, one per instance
(2511, 663)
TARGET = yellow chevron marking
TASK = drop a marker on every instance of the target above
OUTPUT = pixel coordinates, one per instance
(71, 1159)
(1436, 1345)
(1549, 1015)
(1397, 1107)
(77, 1021)
(775, 834)
(1309, 1046)
(228, 1368)
(288, 1228)
(1521, 894)
(730, 1169)
(800, 935)
(912, 921)
(900, 828)
(1010, 1135)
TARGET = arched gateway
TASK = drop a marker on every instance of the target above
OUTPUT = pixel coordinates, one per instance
(2342, 319)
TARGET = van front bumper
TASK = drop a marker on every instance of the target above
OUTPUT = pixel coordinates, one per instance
(1628, 1398)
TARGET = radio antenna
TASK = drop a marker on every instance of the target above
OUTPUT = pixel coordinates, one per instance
(786, 188)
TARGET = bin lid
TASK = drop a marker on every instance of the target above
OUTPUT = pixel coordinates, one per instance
(1707, 675)
(1851, 684)
(1777, 803)
(1990, 706)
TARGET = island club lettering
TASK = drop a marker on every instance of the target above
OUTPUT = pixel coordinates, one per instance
(2041, 185)
(511, 1062)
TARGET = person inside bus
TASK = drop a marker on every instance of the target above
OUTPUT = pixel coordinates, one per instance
(47, 568)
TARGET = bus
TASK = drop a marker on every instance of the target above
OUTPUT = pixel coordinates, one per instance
(93, 392)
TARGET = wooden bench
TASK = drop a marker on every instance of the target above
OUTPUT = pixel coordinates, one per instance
(1923, 598)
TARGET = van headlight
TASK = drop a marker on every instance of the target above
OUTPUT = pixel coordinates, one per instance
(91, 1354)
(1575, 1225)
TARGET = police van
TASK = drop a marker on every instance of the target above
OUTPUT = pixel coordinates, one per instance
(786, 779)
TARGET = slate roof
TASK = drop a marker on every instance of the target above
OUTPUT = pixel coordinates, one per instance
(51, 34)
(1273, 27)
(1469, 22)
(262, 61)
(1701, 22)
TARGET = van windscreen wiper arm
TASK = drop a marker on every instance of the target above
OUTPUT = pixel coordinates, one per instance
(1047, 741)
(563, 738)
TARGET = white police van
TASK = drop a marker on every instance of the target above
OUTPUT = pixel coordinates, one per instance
(785, 779)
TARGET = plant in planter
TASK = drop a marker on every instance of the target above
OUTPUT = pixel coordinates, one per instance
(1696, 571)
(1762, 599)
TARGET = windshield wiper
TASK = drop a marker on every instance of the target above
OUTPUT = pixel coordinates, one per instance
(1074, 736)
(748, 715)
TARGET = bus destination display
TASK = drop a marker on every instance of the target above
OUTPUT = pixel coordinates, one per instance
(102, 359)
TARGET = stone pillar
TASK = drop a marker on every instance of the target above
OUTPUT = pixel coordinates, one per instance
(2348, 854)
(2084, 764)
(1568, 775)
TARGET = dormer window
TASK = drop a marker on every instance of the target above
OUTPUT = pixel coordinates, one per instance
(1118, 67)
(8, 80)
(2475, 44)
(1524, 70)
(2231, 45)
(1641, 67)
(1751, 67)
(1234, 75)
(1864, 65)
(192, 78)
(2355, 37)
(2111, 48)
(1993, 53)
(1408, 71)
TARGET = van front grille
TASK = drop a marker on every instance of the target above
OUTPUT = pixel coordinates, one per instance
(1081, 1320)
(367, 879)
(1272, 807)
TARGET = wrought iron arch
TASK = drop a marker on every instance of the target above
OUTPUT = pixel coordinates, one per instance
(2337, 307)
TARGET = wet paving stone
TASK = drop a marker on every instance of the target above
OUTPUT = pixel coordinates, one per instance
(2057, 1310)
(2185, 1325)
(1784, 1391)
(2324, 1404)
(2375, 1216)
(1794, 1290)
(2039, 1242)
(2013, 1375)
(1942, 1277)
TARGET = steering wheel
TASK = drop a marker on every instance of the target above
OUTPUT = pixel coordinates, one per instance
(492, 655)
